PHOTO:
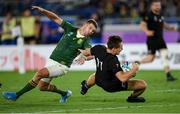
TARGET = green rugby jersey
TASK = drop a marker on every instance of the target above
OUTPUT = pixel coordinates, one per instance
(67, 48)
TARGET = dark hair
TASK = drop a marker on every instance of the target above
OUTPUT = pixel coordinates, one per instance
(152, 1)
(93, 22)
(113, 42)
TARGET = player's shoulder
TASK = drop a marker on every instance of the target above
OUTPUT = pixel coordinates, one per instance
(99, 50)
(148, 13)
(112, 58)
(102, 47)
(67, 24)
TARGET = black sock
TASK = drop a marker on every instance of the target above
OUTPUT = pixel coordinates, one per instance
(31, 85)
(168, 74)
(59, 91)
(86, 86)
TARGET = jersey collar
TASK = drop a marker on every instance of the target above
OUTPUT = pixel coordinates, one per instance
(78, 35)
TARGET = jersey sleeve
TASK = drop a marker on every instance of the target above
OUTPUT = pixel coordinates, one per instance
(114, 65)
(145, 18)
(66, 25)
(96, 50)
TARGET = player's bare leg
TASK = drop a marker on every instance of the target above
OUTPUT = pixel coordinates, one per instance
(148, 59)
(43, 73)
(165, 61)
(91, 80)
(85, 85)
(138, 87)
(44, 86)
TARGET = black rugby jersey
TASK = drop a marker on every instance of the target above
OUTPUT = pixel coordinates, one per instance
(107, 65)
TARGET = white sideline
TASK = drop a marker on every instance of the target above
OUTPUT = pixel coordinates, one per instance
(110, 108)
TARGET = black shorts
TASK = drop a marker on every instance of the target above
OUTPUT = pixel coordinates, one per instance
(154, 44)
(112, 85)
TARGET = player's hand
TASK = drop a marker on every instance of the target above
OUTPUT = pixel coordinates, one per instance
(37, 8)
(80, 61)
(150, 33)
(135, 67)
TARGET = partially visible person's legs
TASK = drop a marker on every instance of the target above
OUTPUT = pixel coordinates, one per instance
(42, 78)
(165, 61)
(43, 73)
(91, 80)
(148, 59)
(45, 85)
(138, 87)
(85, 85)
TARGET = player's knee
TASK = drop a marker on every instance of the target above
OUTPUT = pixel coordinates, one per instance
(43, 73)
(143, 84)
(140, 85)
(43, 88)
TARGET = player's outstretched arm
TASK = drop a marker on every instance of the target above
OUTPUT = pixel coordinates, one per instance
(169, 27)
(83, 56)
(85, 52)
(49, 14)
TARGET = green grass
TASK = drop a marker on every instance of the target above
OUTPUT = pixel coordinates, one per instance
(161, 96)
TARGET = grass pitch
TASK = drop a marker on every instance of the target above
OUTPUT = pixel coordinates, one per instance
(161, 96)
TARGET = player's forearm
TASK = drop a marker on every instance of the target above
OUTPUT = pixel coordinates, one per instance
(125, 76)
(128, 75)
(168, 27)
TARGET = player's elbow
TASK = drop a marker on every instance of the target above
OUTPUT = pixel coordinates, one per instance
(58, 20)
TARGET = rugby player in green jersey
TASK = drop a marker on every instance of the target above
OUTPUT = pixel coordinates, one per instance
(61, 58)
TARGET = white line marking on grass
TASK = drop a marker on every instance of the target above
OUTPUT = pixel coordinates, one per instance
(168, 90)
(109, 108)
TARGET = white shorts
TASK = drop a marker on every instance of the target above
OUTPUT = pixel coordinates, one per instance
(55, 69)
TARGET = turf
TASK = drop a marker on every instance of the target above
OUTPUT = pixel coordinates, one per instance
(161, 96)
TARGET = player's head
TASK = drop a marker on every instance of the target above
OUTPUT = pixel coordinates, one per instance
(156, 6)
(115, 44)
(89, 27)
(26, 12)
